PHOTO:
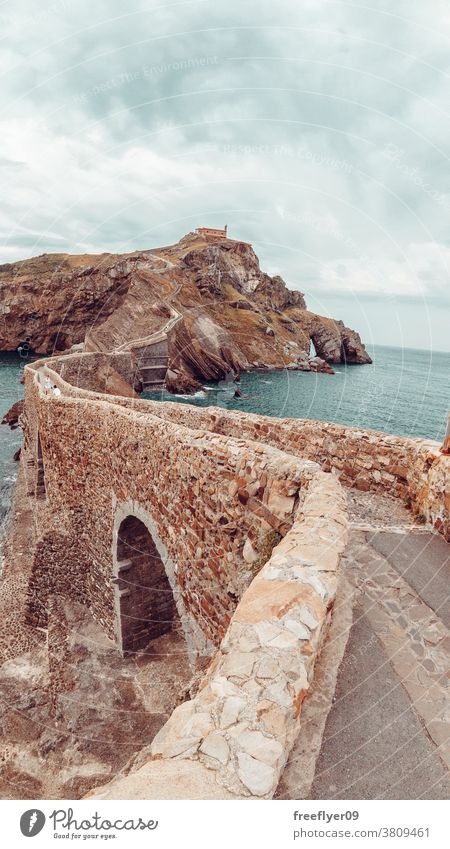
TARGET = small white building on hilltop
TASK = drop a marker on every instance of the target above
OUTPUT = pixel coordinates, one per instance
(212, 232)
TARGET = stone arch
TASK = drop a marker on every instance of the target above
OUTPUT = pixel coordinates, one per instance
(197, 643)
(145, 605)
(40, 476)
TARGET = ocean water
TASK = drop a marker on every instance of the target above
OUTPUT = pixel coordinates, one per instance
(404, 392)
(11, 367)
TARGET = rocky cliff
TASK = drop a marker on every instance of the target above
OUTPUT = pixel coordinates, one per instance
(227, 313)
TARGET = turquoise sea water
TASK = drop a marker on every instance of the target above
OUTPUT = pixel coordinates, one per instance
(11, 390)
(404, 392)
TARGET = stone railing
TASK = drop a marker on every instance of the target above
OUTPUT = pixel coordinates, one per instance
(414, 470)
(233, 739)
(91, 369)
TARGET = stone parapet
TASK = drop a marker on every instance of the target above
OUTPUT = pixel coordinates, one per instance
(215, 505)
(233, 739)
(414, 470)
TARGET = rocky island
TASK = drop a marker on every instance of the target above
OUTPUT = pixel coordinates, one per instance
(191, 312)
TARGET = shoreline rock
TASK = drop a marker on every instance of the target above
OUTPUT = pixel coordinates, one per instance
(12, 417)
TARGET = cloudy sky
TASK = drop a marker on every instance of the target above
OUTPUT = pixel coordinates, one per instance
(317, 130)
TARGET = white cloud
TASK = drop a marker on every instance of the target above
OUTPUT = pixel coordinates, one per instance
(424, 272)
(281, 123)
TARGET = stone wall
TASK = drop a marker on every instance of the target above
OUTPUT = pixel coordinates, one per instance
(97, 371)
(212, 502)
(250, 531)
(412, 469)
(233, 739)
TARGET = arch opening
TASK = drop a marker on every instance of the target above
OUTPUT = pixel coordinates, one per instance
(144, 602)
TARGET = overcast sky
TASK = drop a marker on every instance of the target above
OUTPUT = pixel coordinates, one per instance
(317, 130)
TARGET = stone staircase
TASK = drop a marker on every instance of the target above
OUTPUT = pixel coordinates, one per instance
(151, 353)
(151, 364)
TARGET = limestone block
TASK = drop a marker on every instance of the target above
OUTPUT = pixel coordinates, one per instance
(305, 615)
(249, 554)
(252, 687)
(216, 746)
(297, 628)
(280, 505)
(199, 725)
(259, 778)
(262, 748)
(231, 710)
(272, 717)
(285, 640)
(238, 664)
(248, 642)
(221, 687)
(268, 667)
(277, 692)
(177, 747)
(266, 631)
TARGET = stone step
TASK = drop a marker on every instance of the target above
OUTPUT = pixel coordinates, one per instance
(152, 384)
(152, 387)
(145, 362)
(148, 371)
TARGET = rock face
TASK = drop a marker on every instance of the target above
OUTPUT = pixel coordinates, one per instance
(50, 301)
(336, 343)
(11, 418)
(229, 315)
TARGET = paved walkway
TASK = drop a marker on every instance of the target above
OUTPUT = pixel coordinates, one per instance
(379, 727)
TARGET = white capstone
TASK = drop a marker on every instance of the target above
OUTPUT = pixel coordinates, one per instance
(285, 640)
(233, 706)
(265, 749)
(306, 616)
(297, 628)
(238, 664)
(268, 667)
(259, 778)
(216, 746)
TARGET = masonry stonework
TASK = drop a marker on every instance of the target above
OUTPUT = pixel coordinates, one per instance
(213, 500)
(233, 524)
(414, 470)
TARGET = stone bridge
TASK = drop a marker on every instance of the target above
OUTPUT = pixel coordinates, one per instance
(135, 512)
(231, 524)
